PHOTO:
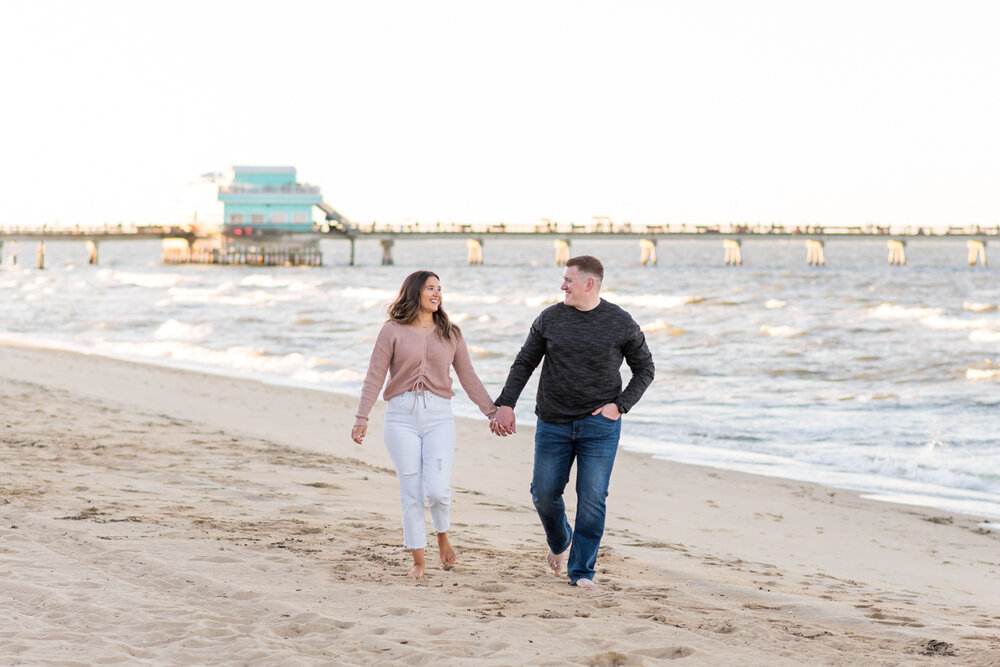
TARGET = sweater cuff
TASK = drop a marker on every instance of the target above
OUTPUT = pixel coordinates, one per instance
(360, 421)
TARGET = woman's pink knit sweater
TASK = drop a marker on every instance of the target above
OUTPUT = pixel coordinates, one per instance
(419, 360)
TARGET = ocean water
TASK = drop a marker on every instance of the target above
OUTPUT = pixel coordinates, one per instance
(857, 375)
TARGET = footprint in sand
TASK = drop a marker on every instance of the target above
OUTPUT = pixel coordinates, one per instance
(666, 652)
(397, 611)
(490, 587)
(244, 595)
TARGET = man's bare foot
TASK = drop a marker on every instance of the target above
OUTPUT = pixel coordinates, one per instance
(557, 561)
(585, 583)
(446, 551)
(417, 570)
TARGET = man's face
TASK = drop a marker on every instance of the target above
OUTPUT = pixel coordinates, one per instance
(574, 286)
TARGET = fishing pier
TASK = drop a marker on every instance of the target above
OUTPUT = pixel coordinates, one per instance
(647, 238)
(270, 219)
(269, 247)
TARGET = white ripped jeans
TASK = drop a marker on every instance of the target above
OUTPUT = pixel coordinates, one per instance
(419, 434)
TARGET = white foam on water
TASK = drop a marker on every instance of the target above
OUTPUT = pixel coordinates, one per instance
(295, 369)
(175, 330)
(781, 331)
(267, 281)
(888, 311)
(657, 301)
(978, 307)
(477, 352)
(927, 493)
(981, 336)
(955, 323)
(655, 325)
(540, 301)
(774, 304)
(151, 280)
(367, 294)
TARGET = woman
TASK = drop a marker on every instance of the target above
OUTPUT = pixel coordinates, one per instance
(417, 346)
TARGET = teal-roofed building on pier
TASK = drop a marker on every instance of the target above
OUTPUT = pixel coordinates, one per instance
(267, 220)
(263, 200)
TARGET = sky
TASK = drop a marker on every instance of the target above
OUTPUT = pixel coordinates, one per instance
(705, 112)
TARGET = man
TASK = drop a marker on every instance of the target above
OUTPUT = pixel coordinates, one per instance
(579, 406)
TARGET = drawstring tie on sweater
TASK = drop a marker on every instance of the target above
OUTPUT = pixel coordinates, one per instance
(419, 389)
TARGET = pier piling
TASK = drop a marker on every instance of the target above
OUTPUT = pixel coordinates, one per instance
(734, 256)
(977, 250)
(387, 252)
(41, 254)
(814, 253)
(897, 252)
(647, 250)
(475, 251)
(91, 252)
(562, 251)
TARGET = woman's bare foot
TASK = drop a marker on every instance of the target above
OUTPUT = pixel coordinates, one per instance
(557, 561)
(447, 552)
(417, 570)
(586, 583)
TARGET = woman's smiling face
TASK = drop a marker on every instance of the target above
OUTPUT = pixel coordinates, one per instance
(430, 295)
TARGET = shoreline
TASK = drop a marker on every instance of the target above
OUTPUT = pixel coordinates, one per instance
(990, 514)
(183, 516)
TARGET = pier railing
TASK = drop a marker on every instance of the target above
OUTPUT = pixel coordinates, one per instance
(262, 241)
(598, 228)
(665, 229)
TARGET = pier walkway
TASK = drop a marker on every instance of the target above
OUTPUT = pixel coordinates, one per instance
(646, 237)
(260, 242)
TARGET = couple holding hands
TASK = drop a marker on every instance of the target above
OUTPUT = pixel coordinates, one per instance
(580, 400)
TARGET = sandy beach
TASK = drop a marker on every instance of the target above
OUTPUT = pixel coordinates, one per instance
(159, 516)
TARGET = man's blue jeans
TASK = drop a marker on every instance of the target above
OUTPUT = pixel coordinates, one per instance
(593, 443)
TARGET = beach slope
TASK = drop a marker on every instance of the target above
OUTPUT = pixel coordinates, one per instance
(149, 514)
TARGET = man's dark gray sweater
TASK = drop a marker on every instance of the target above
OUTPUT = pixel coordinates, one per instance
(583, 351)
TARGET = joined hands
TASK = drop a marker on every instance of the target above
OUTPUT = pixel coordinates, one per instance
(502, 422)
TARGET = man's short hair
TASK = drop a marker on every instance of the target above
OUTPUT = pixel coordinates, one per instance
(588, 264)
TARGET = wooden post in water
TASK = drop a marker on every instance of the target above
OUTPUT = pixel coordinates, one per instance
(41, 254)
(734, 257)
(13, 253)
(91, 252)
(977, 250)
(647, 250)
(814, 253)
(562, 251)
(387, 252)
(897, 252)
(352, 252)
(475, 247)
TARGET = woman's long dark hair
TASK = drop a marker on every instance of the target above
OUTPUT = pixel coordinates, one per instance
(406, 307)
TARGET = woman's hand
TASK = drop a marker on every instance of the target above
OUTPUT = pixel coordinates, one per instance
(358, 434)
(503, 422)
